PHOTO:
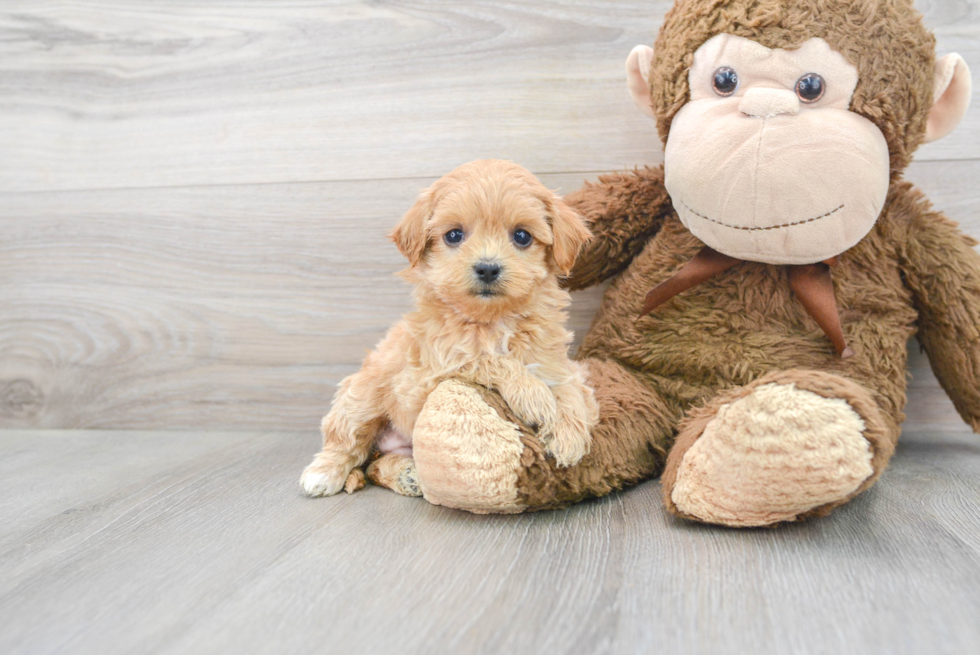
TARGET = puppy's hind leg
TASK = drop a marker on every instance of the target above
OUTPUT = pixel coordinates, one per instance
(349, 431)
(355, 481)
(328, 472)
(395, 468)
(396, 472)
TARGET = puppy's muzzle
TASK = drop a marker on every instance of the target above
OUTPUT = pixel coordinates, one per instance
(487, 272)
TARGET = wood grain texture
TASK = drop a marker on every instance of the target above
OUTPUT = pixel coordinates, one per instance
(120, 93)
(239, 307)
(120, 542)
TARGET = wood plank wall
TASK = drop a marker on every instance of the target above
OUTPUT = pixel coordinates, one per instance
(194, 194)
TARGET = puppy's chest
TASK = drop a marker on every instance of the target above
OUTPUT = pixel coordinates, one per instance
(476, 344)
(507, 341)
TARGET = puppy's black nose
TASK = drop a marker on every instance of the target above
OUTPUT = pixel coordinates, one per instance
(487, 272)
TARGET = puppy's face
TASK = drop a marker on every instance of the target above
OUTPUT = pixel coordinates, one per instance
(488, 249)
(484, 237)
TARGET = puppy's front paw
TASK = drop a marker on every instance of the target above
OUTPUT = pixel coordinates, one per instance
(323, 478)
(570, 443)
(534, 404)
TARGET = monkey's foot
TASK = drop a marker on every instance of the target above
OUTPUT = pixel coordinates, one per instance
(773, 451)
(467, 454)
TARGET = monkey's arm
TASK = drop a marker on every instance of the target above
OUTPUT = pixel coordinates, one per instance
(943, 272)
(623, 210)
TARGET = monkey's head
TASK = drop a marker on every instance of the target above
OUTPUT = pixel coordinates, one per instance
(784, 121)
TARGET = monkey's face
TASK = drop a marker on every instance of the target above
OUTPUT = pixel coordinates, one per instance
(766, 162)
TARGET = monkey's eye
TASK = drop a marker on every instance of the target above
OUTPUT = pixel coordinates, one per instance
(724, 81)
(522, 238)
(810, 87)
(453, 237)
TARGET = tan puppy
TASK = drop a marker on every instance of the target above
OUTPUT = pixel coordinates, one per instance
(486, 244)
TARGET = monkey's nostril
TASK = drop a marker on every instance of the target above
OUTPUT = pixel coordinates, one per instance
(487, 272)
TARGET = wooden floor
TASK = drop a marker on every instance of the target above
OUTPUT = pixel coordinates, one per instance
(194, 198)
(142, 542)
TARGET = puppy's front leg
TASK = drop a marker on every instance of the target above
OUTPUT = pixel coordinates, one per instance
(527, 395)
(578, 413)
(348, 431)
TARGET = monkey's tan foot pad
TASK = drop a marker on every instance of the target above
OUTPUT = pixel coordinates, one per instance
(769, 456)
(396, 472)
(467, 455)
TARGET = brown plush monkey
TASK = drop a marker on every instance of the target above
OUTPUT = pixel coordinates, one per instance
(777, 237)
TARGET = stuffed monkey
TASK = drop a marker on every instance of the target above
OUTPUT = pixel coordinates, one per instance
(751, 347)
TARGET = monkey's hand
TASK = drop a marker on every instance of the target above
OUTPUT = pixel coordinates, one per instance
(943, 272)
(623, 210)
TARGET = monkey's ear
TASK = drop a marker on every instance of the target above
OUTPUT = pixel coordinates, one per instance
(411, 235)
(638, 77)
(951, 95)
(568, 232)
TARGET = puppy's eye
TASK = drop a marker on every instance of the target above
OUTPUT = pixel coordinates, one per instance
(724, 81)
(810, 87)
(453, 237)
(523, 238)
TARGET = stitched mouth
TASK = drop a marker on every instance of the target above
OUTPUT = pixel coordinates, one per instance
(771, 227)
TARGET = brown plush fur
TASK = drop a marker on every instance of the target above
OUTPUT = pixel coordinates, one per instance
(914, 274)
(508, 334)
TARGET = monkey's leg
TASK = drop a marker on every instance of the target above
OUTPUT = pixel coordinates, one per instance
(792, 444)
(472, 453)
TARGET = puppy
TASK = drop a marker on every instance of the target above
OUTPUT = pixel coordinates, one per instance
(485, 245)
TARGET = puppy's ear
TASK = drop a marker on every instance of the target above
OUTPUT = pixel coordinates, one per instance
(410, 235)
(569, 232)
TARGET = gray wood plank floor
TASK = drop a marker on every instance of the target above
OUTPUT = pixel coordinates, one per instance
(197, 542)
